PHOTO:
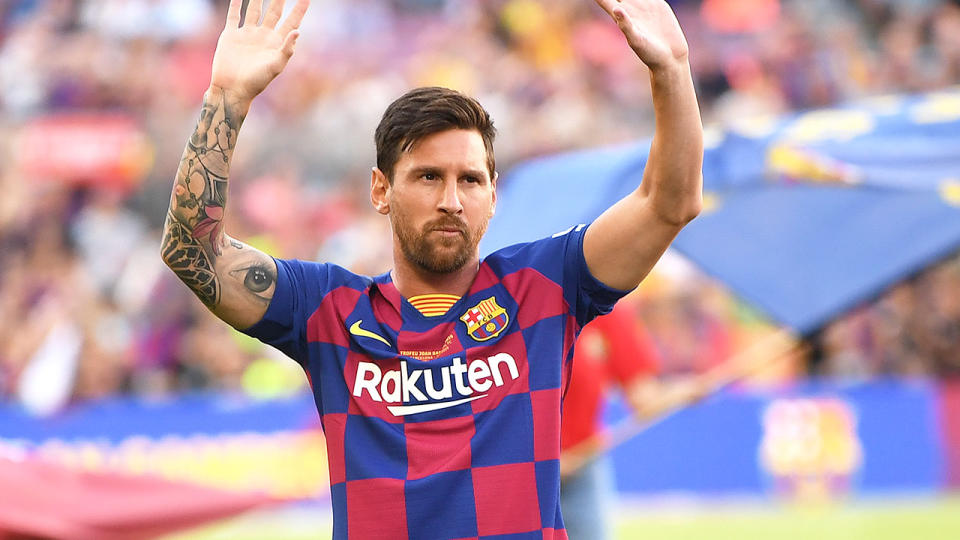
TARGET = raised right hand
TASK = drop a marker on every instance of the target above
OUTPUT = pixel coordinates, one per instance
(251, 55)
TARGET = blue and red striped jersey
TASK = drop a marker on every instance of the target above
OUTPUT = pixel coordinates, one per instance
(449, 426)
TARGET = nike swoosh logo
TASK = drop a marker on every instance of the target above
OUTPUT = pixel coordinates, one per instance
(403, 410)
(357, 331)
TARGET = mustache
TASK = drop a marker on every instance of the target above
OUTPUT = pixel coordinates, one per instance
(447, 223)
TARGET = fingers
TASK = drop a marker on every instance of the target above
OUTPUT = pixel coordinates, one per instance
(614, 8)
(290, 42)
(233, 13)
(273, 13)
(253, 12)
(294, 18)
(608, 6)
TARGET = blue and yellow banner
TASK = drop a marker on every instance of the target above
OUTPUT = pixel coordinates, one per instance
(232, 443)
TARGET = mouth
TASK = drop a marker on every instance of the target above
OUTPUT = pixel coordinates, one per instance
(449, 229)
(449, 233)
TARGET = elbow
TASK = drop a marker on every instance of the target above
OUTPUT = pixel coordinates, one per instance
(691, 210)
(679, 212)
(691, 200)
(167, 247)
(165, 259)
(676, 202)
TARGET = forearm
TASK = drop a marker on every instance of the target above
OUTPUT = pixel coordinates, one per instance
(672, 180)
(193, 236)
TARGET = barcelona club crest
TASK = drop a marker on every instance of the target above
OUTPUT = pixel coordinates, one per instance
(485, 320)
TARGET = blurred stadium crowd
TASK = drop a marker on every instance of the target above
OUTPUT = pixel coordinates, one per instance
(83, 289)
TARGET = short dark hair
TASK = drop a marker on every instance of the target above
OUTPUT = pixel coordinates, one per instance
(425, 111)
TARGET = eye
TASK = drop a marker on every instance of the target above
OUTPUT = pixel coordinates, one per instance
(472, 179)
(429, 176)
(257, 279)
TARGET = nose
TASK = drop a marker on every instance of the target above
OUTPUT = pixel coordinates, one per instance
(450, 198)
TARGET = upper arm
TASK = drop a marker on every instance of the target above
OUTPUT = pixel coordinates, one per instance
(248, 280)
(235, 281)
(624, 243)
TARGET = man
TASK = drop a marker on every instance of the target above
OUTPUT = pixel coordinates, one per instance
(609, 351)
(439, 383)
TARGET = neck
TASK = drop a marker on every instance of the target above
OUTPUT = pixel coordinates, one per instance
(412, 280)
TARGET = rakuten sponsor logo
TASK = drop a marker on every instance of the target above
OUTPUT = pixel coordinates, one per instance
(465, 382)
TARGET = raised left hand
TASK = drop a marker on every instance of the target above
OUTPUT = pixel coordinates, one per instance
(651, 29)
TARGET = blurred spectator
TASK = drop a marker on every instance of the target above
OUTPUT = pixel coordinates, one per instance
(912, 330)
(612, 351)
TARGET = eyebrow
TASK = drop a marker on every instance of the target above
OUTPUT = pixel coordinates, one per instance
(431, 169)
(417, 171)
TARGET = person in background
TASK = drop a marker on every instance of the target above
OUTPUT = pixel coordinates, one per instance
(613, 350)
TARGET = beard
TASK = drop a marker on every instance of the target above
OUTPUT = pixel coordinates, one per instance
(435, 253)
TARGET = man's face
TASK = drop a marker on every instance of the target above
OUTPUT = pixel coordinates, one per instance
(441, 200)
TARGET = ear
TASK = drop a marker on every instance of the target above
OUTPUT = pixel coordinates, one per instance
(493, 186)
(380, 191)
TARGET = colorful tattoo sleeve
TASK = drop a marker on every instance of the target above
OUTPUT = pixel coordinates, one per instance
(193, 240)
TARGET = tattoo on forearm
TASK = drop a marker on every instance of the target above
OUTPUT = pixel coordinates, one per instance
(194, 229)
(187, 258)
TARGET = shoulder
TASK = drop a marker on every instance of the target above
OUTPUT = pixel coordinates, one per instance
(547, 255)
(323, 276)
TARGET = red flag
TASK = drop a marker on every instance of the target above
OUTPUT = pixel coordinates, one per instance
(40, 499)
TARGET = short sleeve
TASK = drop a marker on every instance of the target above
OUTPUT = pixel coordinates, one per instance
(560, 258)
(593, 296)
(300, 288)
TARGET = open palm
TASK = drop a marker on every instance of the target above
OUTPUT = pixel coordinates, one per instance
(651, 29)
(251, 55)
